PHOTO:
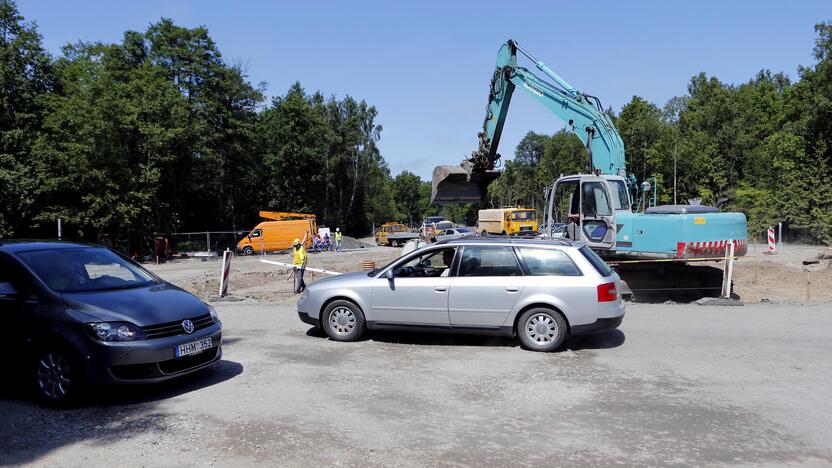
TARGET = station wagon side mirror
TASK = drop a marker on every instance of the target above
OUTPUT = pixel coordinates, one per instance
(7, 291)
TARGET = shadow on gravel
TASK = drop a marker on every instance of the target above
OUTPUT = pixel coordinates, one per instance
(608, 340)
(29, 431)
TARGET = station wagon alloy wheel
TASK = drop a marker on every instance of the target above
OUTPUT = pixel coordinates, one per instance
(342, 321)
(541, 328)
(54, 376)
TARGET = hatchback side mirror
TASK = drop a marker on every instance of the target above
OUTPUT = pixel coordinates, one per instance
(7, 291)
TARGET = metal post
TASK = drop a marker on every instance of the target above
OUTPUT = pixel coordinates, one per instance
(59, 228)
(728, 272)
(780, 233)
(207, 242)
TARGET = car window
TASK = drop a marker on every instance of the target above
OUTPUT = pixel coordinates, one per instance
(489, 261)
(256, 233)
(85, 269)
(600, 265)
(430, 265)
(547, 262)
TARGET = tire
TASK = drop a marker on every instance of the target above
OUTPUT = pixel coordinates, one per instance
(343, 321)
(248, 251)
(57, 378)
(542, 329)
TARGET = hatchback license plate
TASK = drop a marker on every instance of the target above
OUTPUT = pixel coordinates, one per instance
(194, 347)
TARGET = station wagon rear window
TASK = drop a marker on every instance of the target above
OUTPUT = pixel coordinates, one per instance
(600, 265)
(547, 262)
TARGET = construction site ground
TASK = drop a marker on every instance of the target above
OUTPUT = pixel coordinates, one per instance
(757, 276)
(676, 384)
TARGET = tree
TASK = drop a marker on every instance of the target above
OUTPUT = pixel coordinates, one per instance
(25, 79)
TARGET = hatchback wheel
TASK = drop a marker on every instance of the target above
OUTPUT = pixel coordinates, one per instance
(343, 321)
(541, 330)
(57, 379)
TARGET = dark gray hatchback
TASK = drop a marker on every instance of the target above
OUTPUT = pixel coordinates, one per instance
(76, 315)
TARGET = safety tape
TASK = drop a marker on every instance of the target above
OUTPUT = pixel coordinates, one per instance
(288, 265)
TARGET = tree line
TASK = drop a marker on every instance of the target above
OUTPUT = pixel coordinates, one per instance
(159, 134)
(763, 147)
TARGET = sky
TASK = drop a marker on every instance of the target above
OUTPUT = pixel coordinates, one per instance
(426, 65)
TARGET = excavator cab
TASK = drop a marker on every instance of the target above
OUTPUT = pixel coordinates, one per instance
(454, 184)
(580, 208)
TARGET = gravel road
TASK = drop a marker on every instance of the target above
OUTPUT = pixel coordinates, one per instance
(677, 384)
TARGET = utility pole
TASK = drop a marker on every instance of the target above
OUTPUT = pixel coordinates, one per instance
(59, 228)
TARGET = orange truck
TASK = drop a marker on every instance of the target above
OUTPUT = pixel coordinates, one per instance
(278, 232)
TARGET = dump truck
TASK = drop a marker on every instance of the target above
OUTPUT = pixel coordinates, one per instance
(508, 221)
(394, 234)
(278, 232)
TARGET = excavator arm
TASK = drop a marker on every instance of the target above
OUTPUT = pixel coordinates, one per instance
(583, 114)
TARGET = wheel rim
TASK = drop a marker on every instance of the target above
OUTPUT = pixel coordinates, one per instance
(342, 321)
(541, 329)
(54, 376)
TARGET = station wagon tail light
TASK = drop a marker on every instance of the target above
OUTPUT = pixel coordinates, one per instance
(607, 292)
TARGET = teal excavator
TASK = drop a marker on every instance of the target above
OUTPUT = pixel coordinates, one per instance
(596, 207)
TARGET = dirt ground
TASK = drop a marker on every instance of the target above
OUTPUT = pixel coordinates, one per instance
(676, 384)
(757, 277)
(680, 385)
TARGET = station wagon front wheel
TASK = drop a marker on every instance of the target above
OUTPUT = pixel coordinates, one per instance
(343, 321)
(541, 329)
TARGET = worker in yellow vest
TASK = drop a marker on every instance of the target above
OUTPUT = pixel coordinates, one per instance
(299, 263)
(338, 237)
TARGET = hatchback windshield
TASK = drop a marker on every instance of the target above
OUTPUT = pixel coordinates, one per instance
(85, 270)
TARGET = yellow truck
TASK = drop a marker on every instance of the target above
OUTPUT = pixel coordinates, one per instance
(278, 232)
(507, 221)
(394, 234)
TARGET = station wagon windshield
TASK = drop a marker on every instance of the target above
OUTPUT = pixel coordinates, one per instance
(85, 270)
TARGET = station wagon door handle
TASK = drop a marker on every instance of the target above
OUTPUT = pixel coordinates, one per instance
(440, 289)
(512, 289)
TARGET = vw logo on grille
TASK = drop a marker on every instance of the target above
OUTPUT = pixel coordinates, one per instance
(188, 326)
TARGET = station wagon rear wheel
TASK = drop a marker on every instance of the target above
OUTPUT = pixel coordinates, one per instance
(541, 329)
(343, 321)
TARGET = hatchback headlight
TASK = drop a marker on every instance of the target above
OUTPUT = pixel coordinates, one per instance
(214, 316)
(116, 331)
(305, 294)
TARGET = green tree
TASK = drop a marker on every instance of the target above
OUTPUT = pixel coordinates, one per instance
(25, 80)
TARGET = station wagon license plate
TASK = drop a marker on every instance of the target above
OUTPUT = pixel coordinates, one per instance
(194, 347)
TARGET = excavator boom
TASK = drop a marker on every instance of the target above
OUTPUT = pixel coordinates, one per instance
(583, 114)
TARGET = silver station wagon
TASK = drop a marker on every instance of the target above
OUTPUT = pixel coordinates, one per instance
(541, 291)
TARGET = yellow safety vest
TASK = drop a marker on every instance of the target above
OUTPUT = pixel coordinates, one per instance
(338, 236)
(300, 256)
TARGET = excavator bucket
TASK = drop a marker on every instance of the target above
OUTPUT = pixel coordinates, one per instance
(451, 185)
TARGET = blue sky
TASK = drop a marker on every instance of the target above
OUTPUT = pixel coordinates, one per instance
(426, 65)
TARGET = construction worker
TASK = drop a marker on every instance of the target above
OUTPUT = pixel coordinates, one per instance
(338, 240)
(299, 264)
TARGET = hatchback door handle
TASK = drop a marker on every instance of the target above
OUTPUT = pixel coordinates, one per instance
(512, 289)
(440, 289)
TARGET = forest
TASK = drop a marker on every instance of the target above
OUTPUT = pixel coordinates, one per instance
(160, 134)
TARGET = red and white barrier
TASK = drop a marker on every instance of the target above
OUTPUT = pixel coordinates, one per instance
(226, 270)
(772, 244)
(710, 248)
